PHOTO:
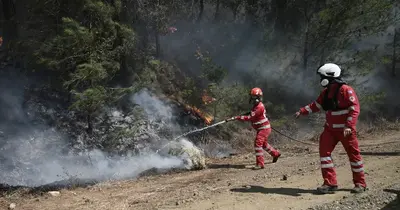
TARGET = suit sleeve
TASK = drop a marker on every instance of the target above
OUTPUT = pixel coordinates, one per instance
(351, 99)
(258, 111)
(315, 106)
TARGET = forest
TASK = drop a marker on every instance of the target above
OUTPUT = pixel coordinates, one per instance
(85, 57)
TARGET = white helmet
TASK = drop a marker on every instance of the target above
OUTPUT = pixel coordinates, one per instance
(328, 71)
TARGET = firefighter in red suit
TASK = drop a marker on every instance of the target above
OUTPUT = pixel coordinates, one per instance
(342, 108)
(257, 116)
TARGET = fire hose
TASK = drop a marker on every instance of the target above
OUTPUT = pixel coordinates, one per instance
(293, 139)
(279, 132)
(224, 121)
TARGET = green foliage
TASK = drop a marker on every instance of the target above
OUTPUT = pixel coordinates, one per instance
(363, 63)
(341, 22)
(87, 46)
(90, 100)
(279, 122)
(212, 72)
(369, 99)
(189, 89)
(231, 100)
(88, 52)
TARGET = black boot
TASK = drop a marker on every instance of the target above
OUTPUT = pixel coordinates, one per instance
(276, 158)
(326, 189)
(358, 189)
(257, 167)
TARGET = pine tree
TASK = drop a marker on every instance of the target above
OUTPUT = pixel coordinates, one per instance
(87, 53)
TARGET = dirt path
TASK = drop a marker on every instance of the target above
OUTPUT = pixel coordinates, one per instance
(228, 184)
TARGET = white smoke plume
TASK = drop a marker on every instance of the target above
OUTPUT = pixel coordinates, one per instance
(33, 153)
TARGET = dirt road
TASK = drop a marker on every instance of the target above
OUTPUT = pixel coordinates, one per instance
(229, 184)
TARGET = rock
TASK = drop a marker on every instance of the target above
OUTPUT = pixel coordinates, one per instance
(12, 206)
(54, 193)
(284, 178)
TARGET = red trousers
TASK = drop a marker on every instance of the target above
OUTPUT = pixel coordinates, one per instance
(261, 143)
(327, 143)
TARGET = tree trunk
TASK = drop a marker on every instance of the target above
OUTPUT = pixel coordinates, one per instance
(89, 124)
(8, 9)
(251, 9)
(235, 14)
(394, 60)
(10, 27)
(201, 11)
(305, 48)
(279, 7)
(157, 37)
(322, 57)
(191, 16)
(216, 15)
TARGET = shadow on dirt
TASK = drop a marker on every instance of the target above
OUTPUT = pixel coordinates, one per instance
(40, 190)
(381, 153)
(235, 166)
(280, 191)
(394, 205)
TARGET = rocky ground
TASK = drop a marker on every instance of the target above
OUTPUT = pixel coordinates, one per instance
(386, 199)
(228, 183)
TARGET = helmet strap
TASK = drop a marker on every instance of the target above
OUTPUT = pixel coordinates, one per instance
(254, 100)
(324, 82)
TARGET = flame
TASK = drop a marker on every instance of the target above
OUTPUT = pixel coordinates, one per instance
(207, 118)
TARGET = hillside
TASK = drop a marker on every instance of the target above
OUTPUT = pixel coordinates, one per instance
(98, 93)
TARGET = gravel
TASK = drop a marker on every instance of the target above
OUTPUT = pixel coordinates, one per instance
(387, 199)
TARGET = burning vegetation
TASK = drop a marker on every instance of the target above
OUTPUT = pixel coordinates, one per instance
(206, 117)
(192, 110)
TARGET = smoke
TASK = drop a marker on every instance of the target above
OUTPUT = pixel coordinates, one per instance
(164, 113)
(33, 153)
(242, 49)
(155, 109)
(275, 66)
(32, 160)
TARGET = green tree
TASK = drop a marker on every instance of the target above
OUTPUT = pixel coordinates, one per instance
(87, 54)
(341, 22)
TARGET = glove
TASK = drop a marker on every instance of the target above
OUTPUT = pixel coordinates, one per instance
(297, 115)
(230, 119)
(347, 132)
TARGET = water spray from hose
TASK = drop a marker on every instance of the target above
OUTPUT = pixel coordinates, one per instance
(190, 132)
(219, 123)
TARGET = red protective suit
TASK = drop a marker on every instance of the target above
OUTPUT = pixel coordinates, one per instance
(261, 124)
(336, 121)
